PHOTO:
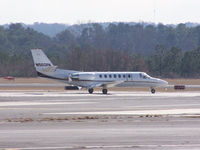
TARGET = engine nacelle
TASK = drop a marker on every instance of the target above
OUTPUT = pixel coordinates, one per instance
(82, 76)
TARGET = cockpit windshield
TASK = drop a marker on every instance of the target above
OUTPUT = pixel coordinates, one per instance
(144, 76)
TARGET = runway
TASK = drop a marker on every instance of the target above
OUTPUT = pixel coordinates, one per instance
(119, 120)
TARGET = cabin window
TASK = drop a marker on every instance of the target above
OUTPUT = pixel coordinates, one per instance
(114, 75)
(124, 76)
(105, 76)
(110, 76)
(129, 76)
(100, 76)
(119, 75)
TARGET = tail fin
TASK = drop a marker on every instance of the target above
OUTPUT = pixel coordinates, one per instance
(41, 61)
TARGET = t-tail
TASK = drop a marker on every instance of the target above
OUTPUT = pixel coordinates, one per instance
(41, 62)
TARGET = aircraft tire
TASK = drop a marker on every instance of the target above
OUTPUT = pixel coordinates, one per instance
(104, 91)
(91, 90)
(153, 91)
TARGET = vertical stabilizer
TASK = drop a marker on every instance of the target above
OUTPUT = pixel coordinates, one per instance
(41, 61)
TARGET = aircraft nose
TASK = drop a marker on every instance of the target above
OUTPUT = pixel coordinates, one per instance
(163, 82)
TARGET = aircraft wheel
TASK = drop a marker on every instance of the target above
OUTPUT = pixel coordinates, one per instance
(104, 91)
(90, 91)
(153, 90)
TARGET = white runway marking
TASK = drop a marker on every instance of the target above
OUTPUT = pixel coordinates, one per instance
(98, 93)
(157, 106)
(36, 94)
(143, 112)
(3, 104)
(158, 94)
(111, 146)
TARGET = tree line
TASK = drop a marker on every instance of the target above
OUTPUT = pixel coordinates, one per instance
(161, 50)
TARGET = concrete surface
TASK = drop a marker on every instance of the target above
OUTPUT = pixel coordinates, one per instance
(119, 120)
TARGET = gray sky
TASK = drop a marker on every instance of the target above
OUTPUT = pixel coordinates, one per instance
(82, 11)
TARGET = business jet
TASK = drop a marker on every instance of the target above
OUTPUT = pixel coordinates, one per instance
(91, 80)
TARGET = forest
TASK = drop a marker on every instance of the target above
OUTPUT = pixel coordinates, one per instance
(160, 50)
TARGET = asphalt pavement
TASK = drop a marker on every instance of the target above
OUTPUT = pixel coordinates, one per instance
(119, 120)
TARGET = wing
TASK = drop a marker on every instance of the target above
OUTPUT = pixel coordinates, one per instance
(104, 84)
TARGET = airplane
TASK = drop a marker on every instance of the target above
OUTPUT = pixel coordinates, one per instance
(91, 80)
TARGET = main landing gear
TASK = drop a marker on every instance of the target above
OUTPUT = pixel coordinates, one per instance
(91, 90)
(104, 91)
(153, 90)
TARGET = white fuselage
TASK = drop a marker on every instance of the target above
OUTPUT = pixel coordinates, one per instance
(135, 79)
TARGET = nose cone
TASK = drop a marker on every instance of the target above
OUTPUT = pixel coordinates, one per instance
(163, 82)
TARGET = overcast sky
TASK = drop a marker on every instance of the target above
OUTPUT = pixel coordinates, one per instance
(82, 11)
